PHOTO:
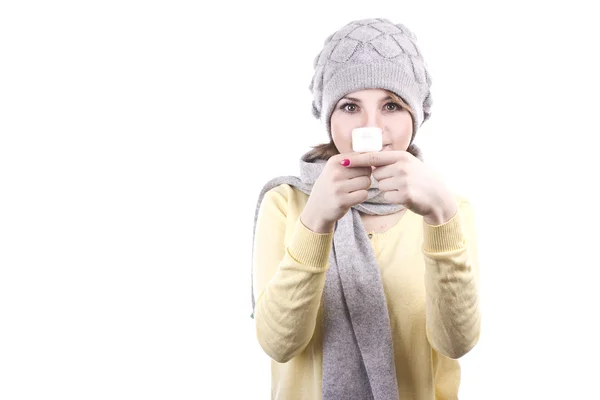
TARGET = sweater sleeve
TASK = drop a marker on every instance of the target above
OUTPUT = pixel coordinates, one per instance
(451, 283)
(289, 279)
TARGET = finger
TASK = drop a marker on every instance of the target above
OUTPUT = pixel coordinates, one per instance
(391, 184)
(354, 184)
(389, 171)
(375, 159)
(395, 197)
(354, 198)
(342, 158)
(350, 173)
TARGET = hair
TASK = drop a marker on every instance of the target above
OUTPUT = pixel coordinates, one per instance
(327, 150)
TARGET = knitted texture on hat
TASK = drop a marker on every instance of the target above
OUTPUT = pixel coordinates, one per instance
(371, 54)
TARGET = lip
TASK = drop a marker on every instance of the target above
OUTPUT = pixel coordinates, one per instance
(386, 147)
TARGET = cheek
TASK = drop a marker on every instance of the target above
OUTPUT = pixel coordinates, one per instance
(342, 140)
(341, 132)
(402, 132)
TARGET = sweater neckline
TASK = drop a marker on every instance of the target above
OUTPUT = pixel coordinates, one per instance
(392, 229)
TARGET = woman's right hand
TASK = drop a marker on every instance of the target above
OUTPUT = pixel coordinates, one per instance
(335, 191)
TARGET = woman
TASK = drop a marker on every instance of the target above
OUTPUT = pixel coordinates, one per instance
(365, 274)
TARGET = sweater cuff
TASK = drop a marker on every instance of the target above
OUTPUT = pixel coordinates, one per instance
(443, 238)
(310, 248)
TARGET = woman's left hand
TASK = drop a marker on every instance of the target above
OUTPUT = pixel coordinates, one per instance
(405, 180)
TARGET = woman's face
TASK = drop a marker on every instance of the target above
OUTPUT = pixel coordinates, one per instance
(371, 108)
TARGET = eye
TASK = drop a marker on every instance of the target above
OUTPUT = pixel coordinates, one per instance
(393, 107)
(349, 107)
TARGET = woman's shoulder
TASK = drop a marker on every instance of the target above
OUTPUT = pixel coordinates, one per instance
(285, 196)
(285, 191)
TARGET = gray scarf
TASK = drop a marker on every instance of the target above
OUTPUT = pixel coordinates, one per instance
(358, 357)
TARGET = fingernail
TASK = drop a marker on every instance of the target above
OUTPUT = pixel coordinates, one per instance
(345, 162)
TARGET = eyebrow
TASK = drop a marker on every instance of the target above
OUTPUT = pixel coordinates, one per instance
(359, 101)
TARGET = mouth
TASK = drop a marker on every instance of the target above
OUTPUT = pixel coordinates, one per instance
(386, 147)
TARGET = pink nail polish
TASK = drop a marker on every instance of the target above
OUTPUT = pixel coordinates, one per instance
(345, 162)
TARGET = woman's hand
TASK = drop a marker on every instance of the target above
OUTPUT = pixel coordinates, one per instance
(407, 181)
(337, 189)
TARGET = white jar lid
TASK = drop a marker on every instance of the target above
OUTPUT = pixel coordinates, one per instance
(367, 139)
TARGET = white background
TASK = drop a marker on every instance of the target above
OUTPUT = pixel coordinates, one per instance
(136, 136)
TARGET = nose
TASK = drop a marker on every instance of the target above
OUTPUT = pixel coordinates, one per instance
(372, 119)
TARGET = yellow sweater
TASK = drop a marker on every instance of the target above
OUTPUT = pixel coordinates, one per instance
(430, 277)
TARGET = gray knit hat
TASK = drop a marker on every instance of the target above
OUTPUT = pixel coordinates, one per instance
(367, 54)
